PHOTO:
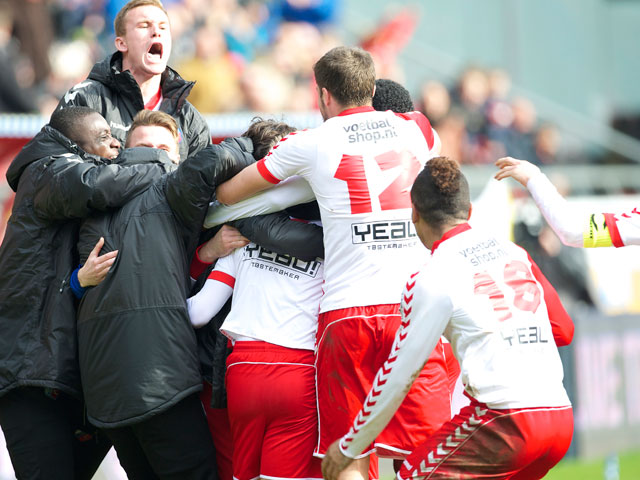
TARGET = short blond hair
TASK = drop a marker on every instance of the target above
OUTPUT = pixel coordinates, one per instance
(154, 118)
(119, 24)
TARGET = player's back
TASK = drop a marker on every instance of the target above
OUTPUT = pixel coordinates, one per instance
(362, 168)
(499, 327)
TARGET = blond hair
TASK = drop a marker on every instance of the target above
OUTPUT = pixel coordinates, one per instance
(151, 118)
(119, 24)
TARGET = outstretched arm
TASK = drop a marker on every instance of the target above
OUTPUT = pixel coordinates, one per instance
(556, 210)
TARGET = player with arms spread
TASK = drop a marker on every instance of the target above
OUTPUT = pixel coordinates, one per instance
(593, 230)
(360, 165)
(501, 316)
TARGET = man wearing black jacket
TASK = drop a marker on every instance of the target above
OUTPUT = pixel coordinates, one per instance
(41, 412)
(137, 349)
(137, 77)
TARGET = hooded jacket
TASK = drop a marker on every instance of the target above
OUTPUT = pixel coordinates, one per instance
(137, 348)
(117, 97)
(55, 184)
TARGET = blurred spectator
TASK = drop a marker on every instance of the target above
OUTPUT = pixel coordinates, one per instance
(435, 101)
(215, 72)
(34, 30)
(12, 97)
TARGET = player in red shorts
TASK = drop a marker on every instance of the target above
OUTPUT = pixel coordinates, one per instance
(360, 164)
(501, 316)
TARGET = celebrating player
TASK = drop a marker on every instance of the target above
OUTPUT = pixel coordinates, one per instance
(501, 316)
(360, 164)
(591, 230)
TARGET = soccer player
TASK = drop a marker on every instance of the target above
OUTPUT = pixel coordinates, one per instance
(503, 320)
(270, 372)
(360, 164)
(592, 230)
(137, 77)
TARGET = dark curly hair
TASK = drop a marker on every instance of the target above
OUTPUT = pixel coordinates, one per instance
(440, 192)
(69, 120)
(392, 96)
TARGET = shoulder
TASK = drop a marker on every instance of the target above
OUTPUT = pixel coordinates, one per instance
(422, 122)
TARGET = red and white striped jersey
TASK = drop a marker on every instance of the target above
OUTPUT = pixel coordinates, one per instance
(361, 166)
(500, 314)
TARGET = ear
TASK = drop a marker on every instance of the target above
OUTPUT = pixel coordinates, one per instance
(470, 209)
(414, 214)
(326, 96)
(121, 44)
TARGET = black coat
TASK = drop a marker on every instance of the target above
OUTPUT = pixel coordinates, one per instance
(137, 348)
(117, 97)
(55, 182)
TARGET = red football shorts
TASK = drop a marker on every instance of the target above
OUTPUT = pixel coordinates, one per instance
(353, 343)
(518, 444)
(271, 399)
(218, 420)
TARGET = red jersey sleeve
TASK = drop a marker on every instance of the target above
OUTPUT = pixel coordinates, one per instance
(561, 323)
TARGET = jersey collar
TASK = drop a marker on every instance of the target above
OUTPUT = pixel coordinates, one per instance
(350, 111)
(463, 227)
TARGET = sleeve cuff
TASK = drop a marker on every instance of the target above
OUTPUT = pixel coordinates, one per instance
(74, 283)
(197, 267)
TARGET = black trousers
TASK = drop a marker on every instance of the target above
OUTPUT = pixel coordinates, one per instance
(173, 445)
(48, 436)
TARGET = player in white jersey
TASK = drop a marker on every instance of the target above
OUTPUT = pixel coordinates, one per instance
(591, 230)
(360, 165)
(501, 316)
(270, 372)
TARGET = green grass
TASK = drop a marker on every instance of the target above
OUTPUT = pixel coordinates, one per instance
(571, 469)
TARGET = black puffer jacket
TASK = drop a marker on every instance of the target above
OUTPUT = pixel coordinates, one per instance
(117, 97)
(54, 183)
(137, 348)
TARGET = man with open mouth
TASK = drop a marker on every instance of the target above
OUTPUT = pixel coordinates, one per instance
(137, 77)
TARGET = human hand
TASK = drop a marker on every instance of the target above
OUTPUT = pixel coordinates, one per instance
(222, 244)
(96, 267)
(520, 170)
(334, 462)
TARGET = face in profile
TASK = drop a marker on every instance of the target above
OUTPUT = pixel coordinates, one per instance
(95, 137)
(154, 136)
(146, 44)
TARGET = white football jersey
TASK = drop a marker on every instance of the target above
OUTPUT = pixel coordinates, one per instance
(361, 166)
(275, 297)
(497, 311)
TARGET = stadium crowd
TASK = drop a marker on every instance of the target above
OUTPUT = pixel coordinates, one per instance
(302, 343)
(239, 54)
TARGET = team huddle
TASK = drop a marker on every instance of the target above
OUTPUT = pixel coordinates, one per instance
(283, 305)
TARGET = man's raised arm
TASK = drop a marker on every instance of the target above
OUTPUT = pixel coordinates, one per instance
(245, 184)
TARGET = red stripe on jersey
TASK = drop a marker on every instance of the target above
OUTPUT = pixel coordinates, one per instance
(222, 277)
(423, 123)
(612, 225)
(463, 227)
(266, 174)
(153, 101)
(561, 323)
